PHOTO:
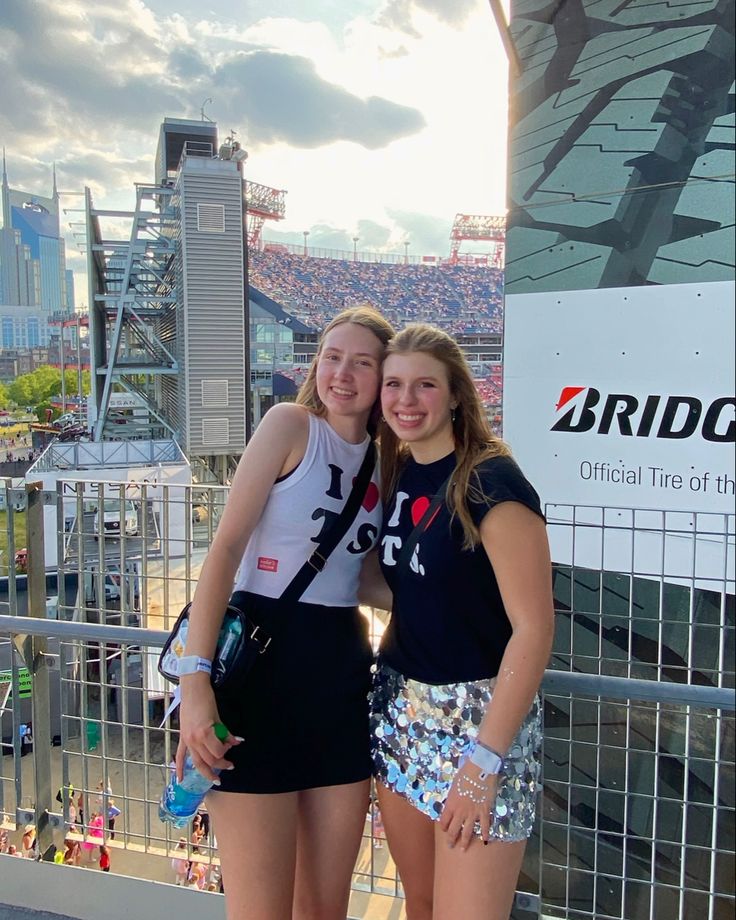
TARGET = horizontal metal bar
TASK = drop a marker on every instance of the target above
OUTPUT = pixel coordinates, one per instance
(91, 632)
(613, 688)
(624, 688)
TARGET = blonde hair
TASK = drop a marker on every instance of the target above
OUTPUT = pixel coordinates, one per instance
(367, 317)
(474, 440)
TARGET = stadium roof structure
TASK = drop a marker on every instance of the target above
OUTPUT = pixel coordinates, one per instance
(479, 227)
(262, 203)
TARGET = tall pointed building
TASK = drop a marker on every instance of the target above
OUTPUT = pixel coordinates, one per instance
(33, 276)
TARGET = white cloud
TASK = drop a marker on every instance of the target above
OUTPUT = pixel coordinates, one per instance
(364, 123)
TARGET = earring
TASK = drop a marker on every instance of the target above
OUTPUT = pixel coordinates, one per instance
(452, 416)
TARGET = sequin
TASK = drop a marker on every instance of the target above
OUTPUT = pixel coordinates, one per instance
(420, 733)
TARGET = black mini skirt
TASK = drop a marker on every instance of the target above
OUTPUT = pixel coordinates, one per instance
(303, 707)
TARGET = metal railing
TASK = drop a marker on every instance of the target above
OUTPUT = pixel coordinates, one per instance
(637, 817)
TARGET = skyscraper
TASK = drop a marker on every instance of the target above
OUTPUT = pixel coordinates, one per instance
(33, 274)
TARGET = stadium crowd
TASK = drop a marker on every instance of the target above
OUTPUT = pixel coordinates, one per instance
(462, 299)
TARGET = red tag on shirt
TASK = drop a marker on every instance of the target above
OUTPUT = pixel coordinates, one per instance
(268, 565)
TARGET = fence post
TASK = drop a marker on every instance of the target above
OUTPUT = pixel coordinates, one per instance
(37, 664)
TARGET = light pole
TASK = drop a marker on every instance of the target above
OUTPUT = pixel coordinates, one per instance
(355, 248)
(406, 252)
(62, 361)
(305, 234)
(79, 361)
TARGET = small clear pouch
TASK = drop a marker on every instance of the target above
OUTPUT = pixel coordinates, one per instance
(239, 643)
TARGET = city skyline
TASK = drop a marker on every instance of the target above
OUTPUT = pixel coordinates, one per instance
(381, 118)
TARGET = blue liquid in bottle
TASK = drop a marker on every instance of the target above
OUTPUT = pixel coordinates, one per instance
(180, 800)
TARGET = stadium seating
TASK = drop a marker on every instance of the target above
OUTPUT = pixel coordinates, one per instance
(462, 299)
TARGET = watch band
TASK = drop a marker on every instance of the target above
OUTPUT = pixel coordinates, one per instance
(488, 760)
(190, 664)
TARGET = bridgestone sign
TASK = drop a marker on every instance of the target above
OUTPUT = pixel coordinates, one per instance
(623, 397)
(619, 399)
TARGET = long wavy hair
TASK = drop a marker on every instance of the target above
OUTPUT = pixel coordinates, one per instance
(367, 317)
(474, 440)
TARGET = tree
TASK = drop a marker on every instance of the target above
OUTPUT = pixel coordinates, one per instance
(43, 383)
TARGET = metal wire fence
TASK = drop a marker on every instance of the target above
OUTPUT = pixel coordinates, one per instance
(637, 816)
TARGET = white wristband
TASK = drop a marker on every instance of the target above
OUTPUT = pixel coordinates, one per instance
(190, 664)
(488, 760)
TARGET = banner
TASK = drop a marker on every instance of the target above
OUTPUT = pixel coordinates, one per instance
(624, 397)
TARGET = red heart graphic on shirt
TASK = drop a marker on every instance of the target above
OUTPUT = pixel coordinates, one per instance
(370, 499)
(418, 508)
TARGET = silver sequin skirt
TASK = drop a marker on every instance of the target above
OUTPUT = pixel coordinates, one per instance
(421, 731)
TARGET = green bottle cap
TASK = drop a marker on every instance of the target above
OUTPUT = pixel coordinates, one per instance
(221, 731)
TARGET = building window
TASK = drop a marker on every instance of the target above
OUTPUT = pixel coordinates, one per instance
(8, 336)
(34, 338)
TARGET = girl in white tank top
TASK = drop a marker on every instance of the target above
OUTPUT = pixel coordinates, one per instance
(297, 756)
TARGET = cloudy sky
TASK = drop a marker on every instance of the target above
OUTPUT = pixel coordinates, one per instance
(382, 118)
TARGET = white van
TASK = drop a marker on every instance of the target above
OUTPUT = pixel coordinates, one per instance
(110, 525)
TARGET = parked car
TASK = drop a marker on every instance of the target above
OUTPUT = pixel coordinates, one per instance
(69, 419)
(109, 523)
(72, 433)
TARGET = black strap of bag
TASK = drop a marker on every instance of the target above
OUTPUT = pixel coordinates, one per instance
(422, 524)
(252, 639)
(335, 532)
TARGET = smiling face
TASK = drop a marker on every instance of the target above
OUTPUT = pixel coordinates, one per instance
(348, 377)
(416, 401)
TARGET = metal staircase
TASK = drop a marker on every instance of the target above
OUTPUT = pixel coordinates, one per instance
(132, 319)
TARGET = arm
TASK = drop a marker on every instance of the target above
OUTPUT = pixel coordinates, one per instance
(277, 446)
(515, 540)
(372, 588)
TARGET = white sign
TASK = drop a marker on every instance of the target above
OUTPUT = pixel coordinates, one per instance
(624, 398)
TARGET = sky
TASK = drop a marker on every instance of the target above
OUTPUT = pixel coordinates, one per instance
(381, 118)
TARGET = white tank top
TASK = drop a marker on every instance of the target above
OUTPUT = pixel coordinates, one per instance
(298, 509)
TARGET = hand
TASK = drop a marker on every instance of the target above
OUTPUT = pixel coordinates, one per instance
(470, 799)
(197, 716)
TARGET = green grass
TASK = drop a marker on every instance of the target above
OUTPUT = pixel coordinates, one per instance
(19, 533)
(12, 431)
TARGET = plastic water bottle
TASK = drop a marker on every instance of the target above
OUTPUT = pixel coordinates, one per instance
(180, 800)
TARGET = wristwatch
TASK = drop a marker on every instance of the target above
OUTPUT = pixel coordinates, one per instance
(488, 760)
(190, 664)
